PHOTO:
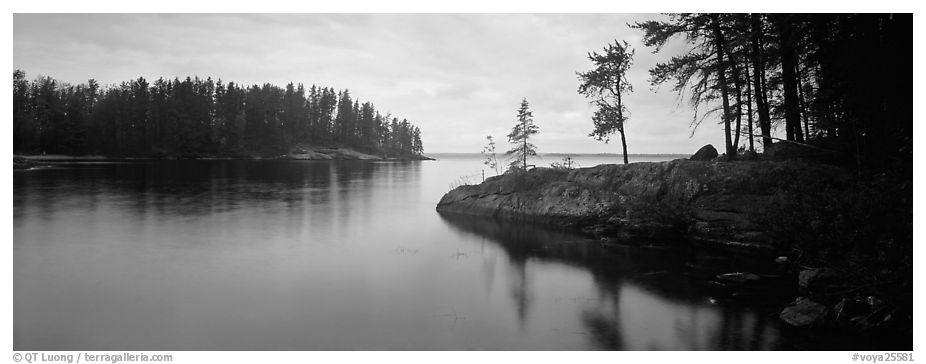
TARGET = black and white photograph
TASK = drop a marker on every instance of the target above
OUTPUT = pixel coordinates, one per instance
(431, 182)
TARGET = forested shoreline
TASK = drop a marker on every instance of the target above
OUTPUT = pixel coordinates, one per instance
(838, 84)
(196, 117)
(832, 200)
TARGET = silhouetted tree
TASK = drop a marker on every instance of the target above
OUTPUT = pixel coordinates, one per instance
(803, 70)
(702, 70)
(758, 78)
(606, 84)
(786, 48)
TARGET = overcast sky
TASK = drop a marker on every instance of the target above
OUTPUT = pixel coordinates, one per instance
(459, 77)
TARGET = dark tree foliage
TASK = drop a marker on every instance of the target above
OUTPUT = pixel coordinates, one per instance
(841, 82)
(196, 117)
(606, 85)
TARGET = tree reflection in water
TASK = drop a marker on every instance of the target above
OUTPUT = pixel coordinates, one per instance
(647, 296)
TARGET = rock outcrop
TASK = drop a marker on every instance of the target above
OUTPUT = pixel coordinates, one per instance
(711, 201)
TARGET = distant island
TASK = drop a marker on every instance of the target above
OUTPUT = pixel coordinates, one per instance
(202, 118)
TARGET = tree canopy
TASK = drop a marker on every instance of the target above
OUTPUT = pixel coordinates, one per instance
(198, 117)
(838, 81)
(606, 84)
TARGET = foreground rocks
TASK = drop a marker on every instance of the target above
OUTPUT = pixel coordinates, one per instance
(717, 202)
(804, 312)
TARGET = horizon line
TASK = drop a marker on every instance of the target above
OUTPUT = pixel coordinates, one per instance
(570, 153)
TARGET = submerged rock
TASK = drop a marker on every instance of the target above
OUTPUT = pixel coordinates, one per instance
(738, 277)
(804, 312)
(818, 279)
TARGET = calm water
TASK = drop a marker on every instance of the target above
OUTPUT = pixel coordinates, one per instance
(304, 255)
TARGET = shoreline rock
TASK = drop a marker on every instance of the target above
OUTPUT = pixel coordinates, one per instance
(710, 202)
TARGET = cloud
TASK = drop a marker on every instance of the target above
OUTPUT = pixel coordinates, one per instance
(458, 76)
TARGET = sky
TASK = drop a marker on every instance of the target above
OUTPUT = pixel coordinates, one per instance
(459, 77)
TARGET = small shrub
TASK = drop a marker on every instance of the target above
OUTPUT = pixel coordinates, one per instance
(464, 181)
(567, 163)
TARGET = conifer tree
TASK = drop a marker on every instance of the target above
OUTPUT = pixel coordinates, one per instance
(520, 138)
(606, 84)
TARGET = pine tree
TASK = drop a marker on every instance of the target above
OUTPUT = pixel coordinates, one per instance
(194, 116)
(520, 138)
(606, 84)
(702, 70)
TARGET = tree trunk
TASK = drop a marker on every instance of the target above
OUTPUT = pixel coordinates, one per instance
(823, 105)
(721, 79)
(765, 120)
(789, 78)
(524, 150)
(624, 144)
(803, 103)
(739, 100)
(752, 147)
(620, 117)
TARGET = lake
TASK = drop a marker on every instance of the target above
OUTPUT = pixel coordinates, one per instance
(340, 255)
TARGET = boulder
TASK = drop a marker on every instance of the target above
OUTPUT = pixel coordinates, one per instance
(804, 312)
(817, 280)
(706, 153)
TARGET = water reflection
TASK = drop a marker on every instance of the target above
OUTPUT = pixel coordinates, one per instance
(203, 254)
(645, 299)
(304, 255)
(192, 188)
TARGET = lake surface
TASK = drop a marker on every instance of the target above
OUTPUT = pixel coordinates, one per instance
(322, 255)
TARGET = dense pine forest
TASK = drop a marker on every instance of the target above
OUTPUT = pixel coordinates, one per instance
(839, 84)
(194, 117)
(841, 88)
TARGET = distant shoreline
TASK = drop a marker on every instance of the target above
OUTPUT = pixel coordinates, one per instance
(100, 158)
(679, 155)
(27, 161)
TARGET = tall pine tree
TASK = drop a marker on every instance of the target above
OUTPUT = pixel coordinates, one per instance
(520, 138)
(606, 84)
